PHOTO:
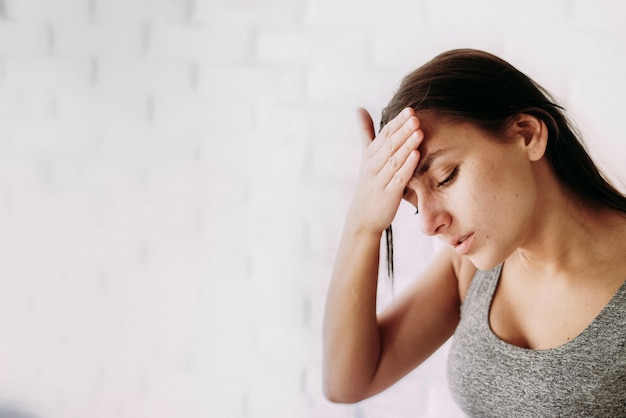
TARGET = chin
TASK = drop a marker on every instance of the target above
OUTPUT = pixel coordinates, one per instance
(485, 263)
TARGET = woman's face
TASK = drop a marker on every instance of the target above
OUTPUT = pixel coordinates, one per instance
(479, 194)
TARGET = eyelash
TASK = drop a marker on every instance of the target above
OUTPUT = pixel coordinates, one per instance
(450, 178)
(444, 183)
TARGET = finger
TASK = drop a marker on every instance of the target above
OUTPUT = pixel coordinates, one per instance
(399, 139)
(397, 160)
(391, 127)
(366, 126)
(402, 134)
(401, 177)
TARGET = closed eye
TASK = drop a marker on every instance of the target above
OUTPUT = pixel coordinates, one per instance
(450, 178)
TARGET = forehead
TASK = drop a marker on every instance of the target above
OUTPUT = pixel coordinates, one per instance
(446, 139)
(440, 133)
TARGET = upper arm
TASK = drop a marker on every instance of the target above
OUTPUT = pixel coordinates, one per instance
(420, 320)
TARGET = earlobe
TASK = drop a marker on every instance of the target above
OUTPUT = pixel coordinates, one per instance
(534, 132)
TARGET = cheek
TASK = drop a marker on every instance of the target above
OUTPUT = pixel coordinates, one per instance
(495, 198)
(506, 183)
(493, 191)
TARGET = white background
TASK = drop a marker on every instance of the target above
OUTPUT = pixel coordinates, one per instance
(174, 176)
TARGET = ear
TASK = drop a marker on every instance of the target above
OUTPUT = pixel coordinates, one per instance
(534, 132)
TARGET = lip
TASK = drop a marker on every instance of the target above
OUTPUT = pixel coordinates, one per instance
(464, 247)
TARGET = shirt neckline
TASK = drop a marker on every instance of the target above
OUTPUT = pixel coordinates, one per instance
(581, 338)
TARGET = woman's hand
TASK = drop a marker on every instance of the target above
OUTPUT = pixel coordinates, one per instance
(389, 161)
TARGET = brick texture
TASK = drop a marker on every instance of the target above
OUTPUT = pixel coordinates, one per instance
(174, 176)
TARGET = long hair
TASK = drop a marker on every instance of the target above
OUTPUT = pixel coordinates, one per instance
(480, 88)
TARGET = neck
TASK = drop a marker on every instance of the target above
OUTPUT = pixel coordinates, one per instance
(569, 236)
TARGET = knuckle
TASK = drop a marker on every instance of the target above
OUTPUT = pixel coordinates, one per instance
(398, 178)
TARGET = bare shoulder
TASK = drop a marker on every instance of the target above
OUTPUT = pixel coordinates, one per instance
(464, 271)
(455, 270)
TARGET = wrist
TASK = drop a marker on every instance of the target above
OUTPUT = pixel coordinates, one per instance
(363, 230)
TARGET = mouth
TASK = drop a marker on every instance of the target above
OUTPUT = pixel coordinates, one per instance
(462, 245)
(461, 240)
(458, 241)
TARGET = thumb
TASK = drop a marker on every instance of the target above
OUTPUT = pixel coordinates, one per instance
(366, 126)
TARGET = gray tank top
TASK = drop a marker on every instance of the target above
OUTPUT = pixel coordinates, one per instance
(586, 377)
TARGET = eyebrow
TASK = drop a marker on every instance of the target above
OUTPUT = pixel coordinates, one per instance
(424, 165)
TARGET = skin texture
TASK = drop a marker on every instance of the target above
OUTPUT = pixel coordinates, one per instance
(493, 193)
(500, 194)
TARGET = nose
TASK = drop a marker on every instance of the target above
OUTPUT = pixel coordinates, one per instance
(434, 218)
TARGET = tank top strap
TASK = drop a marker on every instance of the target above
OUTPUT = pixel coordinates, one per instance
(481, 290)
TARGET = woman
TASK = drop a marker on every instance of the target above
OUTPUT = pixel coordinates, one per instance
(531, 282)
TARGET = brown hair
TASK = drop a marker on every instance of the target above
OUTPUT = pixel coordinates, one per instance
(478, 87)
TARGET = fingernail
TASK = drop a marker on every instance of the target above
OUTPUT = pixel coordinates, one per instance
(406, 112)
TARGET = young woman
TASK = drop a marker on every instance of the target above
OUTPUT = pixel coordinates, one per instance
(532, 281)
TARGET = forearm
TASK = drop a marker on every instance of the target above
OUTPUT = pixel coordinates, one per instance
(352, 337)
(351, 333)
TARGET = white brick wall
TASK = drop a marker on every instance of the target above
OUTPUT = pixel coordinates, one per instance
(174, 175)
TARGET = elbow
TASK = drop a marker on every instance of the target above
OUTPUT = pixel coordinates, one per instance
(336, 397)
(343, 382)
(339, 398)
(341, 394)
